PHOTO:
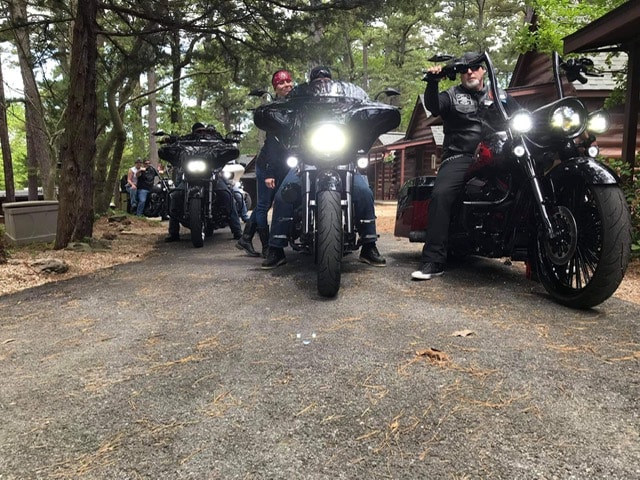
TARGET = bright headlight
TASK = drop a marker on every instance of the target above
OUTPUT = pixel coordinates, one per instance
(292, 161)
(196, 165)
(567, 119)
(328, 139)
(363, 162)
(598, 122)
(522, 122)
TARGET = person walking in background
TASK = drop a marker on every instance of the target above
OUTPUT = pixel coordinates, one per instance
(146, 177)
(131, 187)
(271, 168)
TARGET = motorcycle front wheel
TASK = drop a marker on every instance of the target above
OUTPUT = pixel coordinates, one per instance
(586, 267)
(329, 242)
(196, 223)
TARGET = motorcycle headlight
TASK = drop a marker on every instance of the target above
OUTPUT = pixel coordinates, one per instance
(521, 122)
(363, 162)
(328, 139)
(568, 120)
(292, 161)
(196, 165)
(598, 122)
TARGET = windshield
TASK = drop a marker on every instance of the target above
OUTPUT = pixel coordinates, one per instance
(329, 88)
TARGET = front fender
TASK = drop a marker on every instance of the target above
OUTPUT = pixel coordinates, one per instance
(328, 180)
(587, 168)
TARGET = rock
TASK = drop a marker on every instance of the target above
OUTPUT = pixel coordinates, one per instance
(50, 265)
(78, 247)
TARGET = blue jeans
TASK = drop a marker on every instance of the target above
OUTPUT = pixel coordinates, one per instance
(364, 212)
(265, 199)
(142, 201)
(133, 196)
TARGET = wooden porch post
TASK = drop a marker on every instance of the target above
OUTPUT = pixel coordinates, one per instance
(630, 132)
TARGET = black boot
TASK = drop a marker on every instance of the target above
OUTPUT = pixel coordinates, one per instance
(370, 254)
(263, 232)
(275, 258)
(245, 242)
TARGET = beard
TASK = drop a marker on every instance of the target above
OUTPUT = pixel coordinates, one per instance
(471, 83)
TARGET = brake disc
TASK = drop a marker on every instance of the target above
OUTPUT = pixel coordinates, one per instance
(562, 246)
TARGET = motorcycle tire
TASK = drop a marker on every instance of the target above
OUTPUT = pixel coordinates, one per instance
(600, 248)
(329, 242)
(196, 223)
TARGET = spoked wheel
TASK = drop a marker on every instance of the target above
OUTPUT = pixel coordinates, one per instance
(196, 222)
(329, 242)
(584, 264)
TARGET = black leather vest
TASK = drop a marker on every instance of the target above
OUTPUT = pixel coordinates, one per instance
(462, 124)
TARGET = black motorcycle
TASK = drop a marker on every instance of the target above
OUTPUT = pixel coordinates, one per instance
(157, 204)
(327, 127)
(536, 193)
(201, 199)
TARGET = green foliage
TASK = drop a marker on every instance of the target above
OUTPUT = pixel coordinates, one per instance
(17, 139)
(632, 194)
(557, 19)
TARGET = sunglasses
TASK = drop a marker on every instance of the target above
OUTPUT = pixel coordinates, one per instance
(466, 68)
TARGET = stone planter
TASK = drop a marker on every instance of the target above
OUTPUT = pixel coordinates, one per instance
(30, 222)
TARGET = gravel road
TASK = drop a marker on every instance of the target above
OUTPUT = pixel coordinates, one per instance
(195, 364)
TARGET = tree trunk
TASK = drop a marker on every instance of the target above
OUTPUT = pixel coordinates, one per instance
(9, 185)
(153, 117)
(78, 143)
(39, 156)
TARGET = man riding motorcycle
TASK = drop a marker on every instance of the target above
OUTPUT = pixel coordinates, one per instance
(364, 209)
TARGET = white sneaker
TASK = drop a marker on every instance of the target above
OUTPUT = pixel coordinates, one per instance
(428, 270)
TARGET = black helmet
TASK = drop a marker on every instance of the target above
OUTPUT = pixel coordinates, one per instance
(319, 72)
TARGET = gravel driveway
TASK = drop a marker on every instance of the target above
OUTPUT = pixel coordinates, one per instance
(196, 364)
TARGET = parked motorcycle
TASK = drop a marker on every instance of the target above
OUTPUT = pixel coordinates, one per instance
(327, 127)
(157, 204)
(536, 193)
(201, 199)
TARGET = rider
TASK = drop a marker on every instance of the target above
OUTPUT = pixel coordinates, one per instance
(271, 168)
(364, 209)
(199, 131)
(459, 107)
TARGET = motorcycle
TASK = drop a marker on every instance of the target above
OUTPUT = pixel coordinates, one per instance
(201, 200)
(327, 127)
(536, 193)
(157, 204)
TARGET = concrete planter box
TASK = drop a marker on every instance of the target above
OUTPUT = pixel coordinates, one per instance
(30, 222)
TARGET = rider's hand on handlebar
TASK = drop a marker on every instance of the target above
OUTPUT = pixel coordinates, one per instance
(433, 74)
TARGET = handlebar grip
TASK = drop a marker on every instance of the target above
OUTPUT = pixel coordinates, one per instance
(433, 77)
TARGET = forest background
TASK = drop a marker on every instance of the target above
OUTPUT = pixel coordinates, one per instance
(98, 78)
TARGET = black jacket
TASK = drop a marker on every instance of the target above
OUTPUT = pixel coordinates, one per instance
(146, 179)
(273, 158)
(460, 110)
